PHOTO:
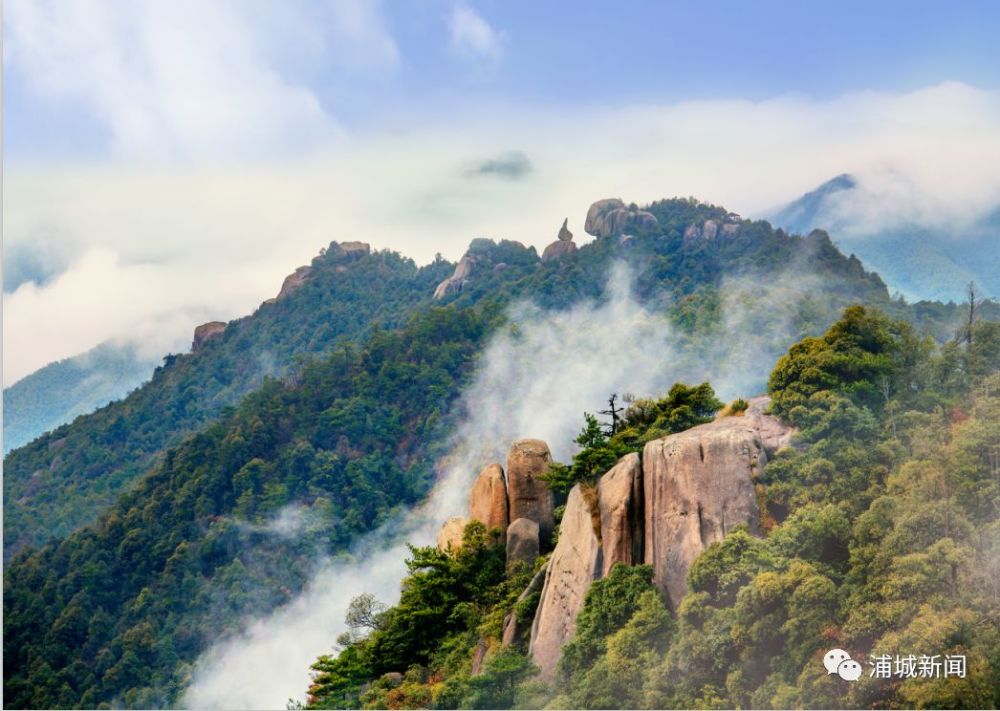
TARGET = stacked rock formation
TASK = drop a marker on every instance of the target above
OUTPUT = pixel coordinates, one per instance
(529, 497)
(563, 245)
(687, 491)
(518, 503)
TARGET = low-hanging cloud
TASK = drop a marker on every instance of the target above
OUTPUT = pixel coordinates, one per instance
(512, 165)
(535, 379)
(407, 189)
(99, 299)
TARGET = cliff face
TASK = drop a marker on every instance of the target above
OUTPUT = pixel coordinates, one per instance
(574, 565)
(698, 485)
(620, 502)
(686, 492)
(206, 331)
(689, 490)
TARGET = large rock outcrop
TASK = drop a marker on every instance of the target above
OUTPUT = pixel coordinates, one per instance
(351, 250)
(522, 541)
(711, 230)
(450, 535)
(206, 331)
(563, 245)
(527, 495)
(294, 281)
(611, 216)
(619, 499)
(574, 565)
(488, 498)
(698, 485)
(453, 284)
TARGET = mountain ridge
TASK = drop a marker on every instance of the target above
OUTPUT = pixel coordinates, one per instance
(921, 262)
(345, 437)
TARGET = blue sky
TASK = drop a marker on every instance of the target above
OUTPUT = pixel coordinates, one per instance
(587, 54)
(168, 162)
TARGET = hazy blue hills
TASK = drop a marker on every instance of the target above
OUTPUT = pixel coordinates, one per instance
(68, 476)
(63, 390)
(917, 260)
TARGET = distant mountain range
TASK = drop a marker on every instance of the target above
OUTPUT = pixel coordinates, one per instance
(920, 262)
(61, 391)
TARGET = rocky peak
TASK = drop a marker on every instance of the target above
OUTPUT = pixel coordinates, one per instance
(611, 216)
(206, 331)
(294, 281)
(563, 245)
(685, 492)
(529, 497)
(351, 250)
(564, 234)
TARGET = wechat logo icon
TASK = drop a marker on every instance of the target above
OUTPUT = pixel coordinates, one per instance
(839, 662)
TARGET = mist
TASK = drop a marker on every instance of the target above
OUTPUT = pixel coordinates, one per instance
(536, 378)
(152, 239)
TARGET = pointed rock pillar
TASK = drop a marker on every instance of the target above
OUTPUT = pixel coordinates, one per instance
(528, 496)
(488, 498)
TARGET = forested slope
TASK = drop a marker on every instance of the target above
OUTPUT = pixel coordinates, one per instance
(881, 536)
(61, 391)
(67, 477)
(178, 517)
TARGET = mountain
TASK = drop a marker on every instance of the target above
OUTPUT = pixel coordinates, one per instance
(921, 262)
(67, 477)
(61, 391)
(141, 533)
(724, 564)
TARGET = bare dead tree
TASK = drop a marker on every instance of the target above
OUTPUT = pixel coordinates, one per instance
(614, 412)
(973, 301)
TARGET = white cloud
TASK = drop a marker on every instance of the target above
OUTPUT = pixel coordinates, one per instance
(154, 307)
(194, 80)
(227, 234)
(471, 35)
(360, 28)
